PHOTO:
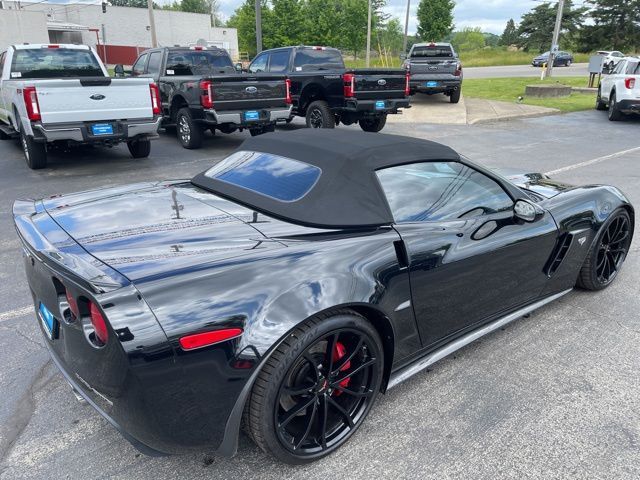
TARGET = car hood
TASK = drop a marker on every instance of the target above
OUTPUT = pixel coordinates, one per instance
(156, 229)
(536, 182)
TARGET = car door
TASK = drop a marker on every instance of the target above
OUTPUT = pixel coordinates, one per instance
(279, 61)
(470, 260)
(608, 80)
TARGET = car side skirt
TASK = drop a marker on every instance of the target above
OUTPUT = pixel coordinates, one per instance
(410, 370)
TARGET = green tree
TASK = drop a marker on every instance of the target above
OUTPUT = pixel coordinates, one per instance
(536, 28)
(468, 39)
(244, 20)
(616, 25)
(353, 26)
(390, 35)
(435, 19)
(321, 27)
(195, 6)
(510, 34)
(288, 22)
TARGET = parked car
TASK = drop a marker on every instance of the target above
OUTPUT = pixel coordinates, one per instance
(62, 94)
(611, 58)
(326, 93)
(435, 68)
(200, 89)
(561, 59)
(303, 277)
(619, 92)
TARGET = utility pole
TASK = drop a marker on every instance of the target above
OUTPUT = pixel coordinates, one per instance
(369, 35)
(406, 28)
(556, 36)
(258, 26)
(152, 24)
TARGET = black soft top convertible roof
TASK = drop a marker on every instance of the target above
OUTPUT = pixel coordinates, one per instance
(348, 193)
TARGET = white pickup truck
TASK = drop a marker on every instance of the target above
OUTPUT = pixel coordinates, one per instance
(619, 91)
(62, 94)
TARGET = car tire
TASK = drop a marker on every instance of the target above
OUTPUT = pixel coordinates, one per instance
(298, 376)
(35, 153)
(608, 252)
(455, 96)
(319, 115)
(567, 63)
(190, 134)
(139, 148)
(614, 113)
(373, 124)
(254, 132)
(600, 105)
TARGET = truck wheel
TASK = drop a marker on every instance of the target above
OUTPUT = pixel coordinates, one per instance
(35, 153)
(190, 133)
(139, 148)
(319, 115)
(600, 105)
(614, 112)
(455, 96)
(373, 124)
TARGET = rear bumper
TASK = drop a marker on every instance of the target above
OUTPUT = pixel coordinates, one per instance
(629, 106)
(81, 131)
(418, 83)
(369, 106)
(236, 118)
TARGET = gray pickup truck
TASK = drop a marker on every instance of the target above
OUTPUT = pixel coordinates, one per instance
(434, 68)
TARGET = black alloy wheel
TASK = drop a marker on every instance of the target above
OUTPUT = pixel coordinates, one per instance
(190, 133)
(328, 381)
(614, 112)
(319, 115)
(608, 252)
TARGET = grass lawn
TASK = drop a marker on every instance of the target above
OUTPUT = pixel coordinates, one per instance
(509, 89)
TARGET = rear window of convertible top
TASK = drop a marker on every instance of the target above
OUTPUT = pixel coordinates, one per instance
(273, 176)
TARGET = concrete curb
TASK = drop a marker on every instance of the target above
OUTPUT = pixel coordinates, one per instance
(477, 121)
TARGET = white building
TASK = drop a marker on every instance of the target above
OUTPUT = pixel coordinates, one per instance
(119, 34)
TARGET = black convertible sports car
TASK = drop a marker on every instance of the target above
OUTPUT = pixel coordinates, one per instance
(296, 280)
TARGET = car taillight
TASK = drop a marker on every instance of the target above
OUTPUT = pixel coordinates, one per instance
(458, 71)
(155, 99)
(629, 82)
(206, 94)
(31, 102)
(407, 86)
(73, 305)
(287, 99)
(349, 80)
(205, 339)
(99, 324)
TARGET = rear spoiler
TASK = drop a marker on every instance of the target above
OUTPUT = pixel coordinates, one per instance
(64, 255)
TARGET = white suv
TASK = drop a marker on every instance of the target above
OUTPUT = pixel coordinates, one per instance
(620, 91)
(611, 58)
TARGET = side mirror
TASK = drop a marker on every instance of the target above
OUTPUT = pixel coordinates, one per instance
(118, 70)
(239, 67)
(403, 56)
(527, 211)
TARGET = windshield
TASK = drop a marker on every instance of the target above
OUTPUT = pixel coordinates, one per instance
(279, 178)
(197, 62)
(54, 63)
(315, 59)
(432, 51)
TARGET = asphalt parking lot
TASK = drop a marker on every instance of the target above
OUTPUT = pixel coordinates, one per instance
(555, 395)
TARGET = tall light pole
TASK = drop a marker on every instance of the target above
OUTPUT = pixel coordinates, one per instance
(556, 36)
(406, 28)
(152, 24)
(368, 57)
(258, 26)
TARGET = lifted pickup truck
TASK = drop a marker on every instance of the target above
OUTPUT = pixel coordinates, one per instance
(62, 94)
(326, 93)
(435, 68)
(200, 88)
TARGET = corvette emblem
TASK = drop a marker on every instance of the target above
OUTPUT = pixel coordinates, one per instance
(581, 240)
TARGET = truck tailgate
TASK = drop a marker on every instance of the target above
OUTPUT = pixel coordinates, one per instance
(379, 84)
(241, 92)
(93, 99)
(434, 66)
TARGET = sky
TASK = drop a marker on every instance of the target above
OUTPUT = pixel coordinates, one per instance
(489, 15)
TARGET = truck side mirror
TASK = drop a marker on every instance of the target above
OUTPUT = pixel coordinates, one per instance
(118, 70)
(403, 56)
(239, 67)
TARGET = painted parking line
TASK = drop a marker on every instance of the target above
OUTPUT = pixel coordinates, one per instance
(18, 312)
(592, 161)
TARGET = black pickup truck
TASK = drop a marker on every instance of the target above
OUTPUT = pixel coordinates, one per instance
(326, 93)
(201, 89)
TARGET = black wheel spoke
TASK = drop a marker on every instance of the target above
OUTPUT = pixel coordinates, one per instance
(344, 362)
(621, 236)
(341, 410)
(295, 391)
(313, 364)
(367, 393)
(331, 346)
(601, 261)
(612, 261)
(312, 417)
(323, 422)
(295, 411)
(346, 375)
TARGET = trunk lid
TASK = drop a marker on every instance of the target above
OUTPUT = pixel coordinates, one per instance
(242, 92)
(149, 230)
(379, 84)
(93, 99)
(434, 58)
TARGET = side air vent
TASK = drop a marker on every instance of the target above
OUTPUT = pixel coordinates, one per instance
(559, 253)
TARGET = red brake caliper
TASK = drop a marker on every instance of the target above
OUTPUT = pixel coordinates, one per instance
(340, 351)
